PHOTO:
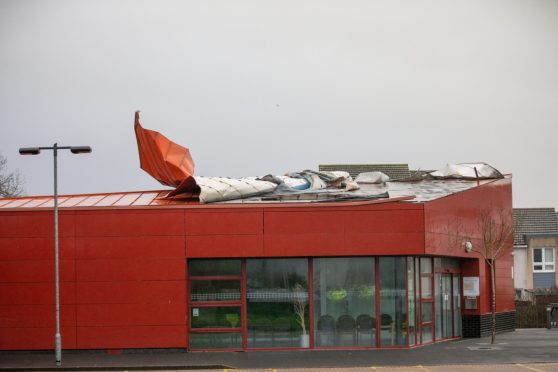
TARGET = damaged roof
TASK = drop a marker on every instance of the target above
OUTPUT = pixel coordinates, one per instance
(172, 165)
(414, 192)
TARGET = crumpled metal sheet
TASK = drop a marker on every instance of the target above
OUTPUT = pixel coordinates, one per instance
(166, 161)
(172, 165)
(467, 171)
(215, 189)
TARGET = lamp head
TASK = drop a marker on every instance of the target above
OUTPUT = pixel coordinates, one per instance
(29, 151)
(80, 149)
(468, 246)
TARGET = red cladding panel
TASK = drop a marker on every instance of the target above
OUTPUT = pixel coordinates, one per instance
(458, 214)
(99, 315)
(233, 222)
(36, 293)
(36, 316)
(224, 246)
(35, 271)
(8, 225)
(130, 269)
(35, 224)
(13, 249)
(130, 223)
(35, 338)
(303, 222)
(343, 232)
(385, 222)
(130, 247)
(154, 292)
(385, 244)
(131, 337)
(303, 244)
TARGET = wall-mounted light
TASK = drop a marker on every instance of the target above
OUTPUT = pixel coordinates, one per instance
(468, 246)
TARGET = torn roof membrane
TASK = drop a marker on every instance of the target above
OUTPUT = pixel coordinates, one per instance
(172, 165)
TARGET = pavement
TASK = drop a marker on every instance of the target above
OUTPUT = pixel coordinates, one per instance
(522, 350)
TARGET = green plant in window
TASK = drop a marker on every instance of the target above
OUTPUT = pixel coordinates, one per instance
(338, 294)
(365, 291)
(233, 319)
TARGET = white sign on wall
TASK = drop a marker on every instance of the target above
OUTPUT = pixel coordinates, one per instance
(471, 286)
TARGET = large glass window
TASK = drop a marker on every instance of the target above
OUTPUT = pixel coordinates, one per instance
(543, 260)
(277, 303)
(344, 302)
(393, 301)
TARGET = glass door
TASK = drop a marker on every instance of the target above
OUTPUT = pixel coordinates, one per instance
(456, 306)
(447, 329)
(444, 306)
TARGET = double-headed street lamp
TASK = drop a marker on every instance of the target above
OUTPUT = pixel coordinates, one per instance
(37, 151)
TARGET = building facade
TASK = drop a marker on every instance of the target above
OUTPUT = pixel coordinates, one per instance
(138, 271)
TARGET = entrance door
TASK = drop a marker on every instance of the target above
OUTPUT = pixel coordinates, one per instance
(447, 319)
(448, 310)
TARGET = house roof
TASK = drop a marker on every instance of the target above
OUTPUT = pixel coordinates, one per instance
(394, 171)
(534, 221)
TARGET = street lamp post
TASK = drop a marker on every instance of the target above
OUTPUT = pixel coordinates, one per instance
(36, 151)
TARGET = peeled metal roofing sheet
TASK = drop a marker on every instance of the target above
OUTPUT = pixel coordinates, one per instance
(166, 161)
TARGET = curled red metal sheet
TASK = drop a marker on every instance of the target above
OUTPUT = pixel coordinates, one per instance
(166, 161)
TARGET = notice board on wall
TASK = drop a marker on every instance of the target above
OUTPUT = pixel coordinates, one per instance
(471, 286)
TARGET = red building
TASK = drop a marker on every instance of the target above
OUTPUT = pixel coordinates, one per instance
(138, 271)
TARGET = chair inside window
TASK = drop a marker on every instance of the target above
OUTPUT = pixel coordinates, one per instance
(325, 334)
(365, 329)
(345, 330)
(282, 334)
(387, 328)
(262, 331)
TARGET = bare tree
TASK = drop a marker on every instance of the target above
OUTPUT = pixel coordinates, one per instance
(496, 227)
(497, 239)
(11, 183)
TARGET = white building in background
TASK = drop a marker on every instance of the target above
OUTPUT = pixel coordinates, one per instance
(535, 248)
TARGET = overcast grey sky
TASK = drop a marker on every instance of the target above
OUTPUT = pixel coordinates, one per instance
(257, 87)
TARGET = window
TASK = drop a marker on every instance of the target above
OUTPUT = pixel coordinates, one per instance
(215, 301)
(543, 260)
(277, 303)
(393, 306)
(344, 302)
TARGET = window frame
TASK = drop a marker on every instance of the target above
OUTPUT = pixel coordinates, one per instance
(543, 261)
